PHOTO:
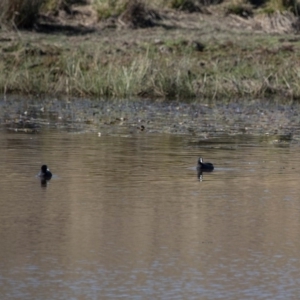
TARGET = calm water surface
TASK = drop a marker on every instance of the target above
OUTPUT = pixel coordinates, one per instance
(126, 217)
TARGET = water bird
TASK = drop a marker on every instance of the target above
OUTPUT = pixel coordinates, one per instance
(45, 173)
(204, 166)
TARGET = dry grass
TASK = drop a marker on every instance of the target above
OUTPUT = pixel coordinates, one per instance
(231, 66)
(24, 13)
(20, 13)
(208, 60)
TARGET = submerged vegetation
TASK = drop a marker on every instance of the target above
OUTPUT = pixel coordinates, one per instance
(169, 49)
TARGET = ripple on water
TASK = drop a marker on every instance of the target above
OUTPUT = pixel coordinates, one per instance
(126, 216)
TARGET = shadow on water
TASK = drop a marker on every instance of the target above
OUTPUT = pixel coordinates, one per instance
(128, 217)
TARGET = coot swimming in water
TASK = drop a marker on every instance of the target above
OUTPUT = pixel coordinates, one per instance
(45, 173)
(204, 166)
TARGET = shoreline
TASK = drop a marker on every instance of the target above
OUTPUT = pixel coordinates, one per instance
(273, 122)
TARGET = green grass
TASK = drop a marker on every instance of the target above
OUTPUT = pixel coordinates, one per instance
(248, 67)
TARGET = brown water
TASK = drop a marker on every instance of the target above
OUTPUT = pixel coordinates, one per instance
(126, 217)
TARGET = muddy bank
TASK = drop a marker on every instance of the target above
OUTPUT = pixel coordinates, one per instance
(274, 121)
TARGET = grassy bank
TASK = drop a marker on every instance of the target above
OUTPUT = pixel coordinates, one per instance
(168, 67)
(200, 60)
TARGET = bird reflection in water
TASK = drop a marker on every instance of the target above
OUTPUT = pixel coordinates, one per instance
(44, 182)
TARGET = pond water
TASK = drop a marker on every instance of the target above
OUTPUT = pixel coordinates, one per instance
(125, 216)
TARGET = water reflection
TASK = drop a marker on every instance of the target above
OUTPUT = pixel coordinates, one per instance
(44, 181)
(127, 218)
(200, 173)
